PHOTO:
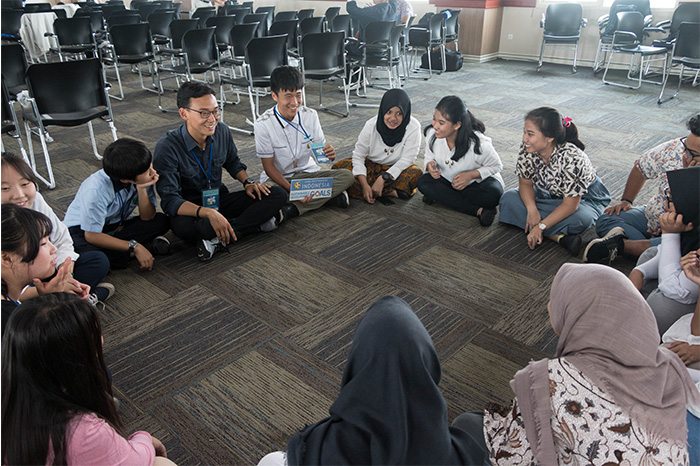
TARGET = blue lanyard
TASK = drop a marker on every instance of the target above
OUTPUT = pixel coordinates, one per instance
(302, 131)
(207, 173)
(124, 209)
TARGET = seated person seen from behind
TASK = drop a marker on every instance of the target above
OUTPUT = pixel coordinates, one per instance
(629, 229)
(559, 194)
(385, 151)
(100, 216)
(289, 138)
(190, 160)
(462, 168)
(381, 10)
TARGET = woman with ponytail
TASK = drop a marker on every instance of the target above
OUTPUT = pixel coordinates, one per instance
(559, 194)
(461, 166)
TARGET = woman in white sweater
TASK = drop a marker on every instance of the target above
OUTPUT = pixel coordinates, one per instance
(382, 161)
(462, 167)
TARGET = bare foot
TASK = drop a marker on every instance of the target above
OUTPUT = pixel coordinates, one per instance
(637, 279)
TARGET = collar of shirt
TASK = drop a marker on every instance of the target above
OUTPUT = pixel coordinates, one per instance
(190, 143)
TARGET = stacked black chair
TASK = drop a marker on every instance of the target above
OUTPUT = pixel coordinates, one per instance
(342, 23)
(73, 37)
(686, 54)
(303, 14)
(14, 68)
(562, 24)
(607, 25)
(270, 11)
(204, 13)
(286, 15)
(123, 17)
(685, 13)
(222, 31)
(131, 44)
(159, 22)
(37, 7)
(261, 19)
(324, 60)
(310, 26)
(452, 28)
(427, 38)
(11, 23)
(286, 27)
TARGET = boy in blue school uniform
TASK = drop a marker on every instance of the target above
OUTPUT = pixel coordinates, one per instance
(100, 216)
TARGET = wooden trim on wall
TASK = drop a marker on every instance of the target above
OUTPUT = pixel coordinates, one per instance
(519, 3)
(482, 4)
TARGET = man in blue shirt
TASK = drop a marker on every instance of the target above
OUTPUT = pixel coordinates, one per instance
(190, 160)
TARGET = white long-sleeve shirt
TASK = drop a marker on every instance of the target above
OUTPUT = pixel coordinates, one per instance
(370, 146)
(60, 237)
(665, 266)
(488, 163)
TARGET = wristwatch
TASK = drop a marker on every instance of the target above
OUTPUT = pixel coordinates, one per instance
(387, 177)
(132, 245)
(542, 226)
(246, 182)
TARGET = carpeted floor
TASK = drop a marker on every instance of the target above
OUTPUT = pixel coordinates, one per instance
(225, 360)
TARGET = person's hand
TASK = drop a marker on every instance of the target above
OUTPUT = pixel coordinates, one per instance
(461, 180)
(145, 185)
(533, 219)
(433, 170)
(378, 187)
(616, 209)
(329, 151)
(143, 257)
(534, 238)
(159, 447)
(62, 282)
(221, 226)
(690, 263)
(257, 190)
(672, 222)
(306, 199)
(689, 354)
(367, 193)
(637, 279)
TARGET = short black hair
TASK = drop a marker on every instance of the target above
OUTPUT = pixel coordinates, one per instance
(288, 78)
(694, 124)
(10, 159)
(22, 231)
(192, 90)
(126, 158)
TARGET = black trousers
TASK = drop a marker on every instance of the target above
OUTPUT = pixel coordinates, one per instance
(469, 200)
(143, 231)
(472, 424)
(244, 213)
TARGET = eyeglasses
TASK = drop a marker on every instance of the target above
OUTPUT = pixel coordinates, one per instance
(205, 114)
(690, 152)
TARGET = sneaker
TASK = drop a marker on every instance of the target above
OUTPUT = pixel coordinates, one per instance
(101, 293)
(269, 226)
(160, 246)
(342, 200)
(288, 211)
(207, 248)
(604, 250)
(571, 243)
(487, 216)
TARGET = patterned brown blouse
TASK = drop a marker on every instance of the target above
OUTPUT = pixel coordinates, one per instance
(588, 428)
(569, 172)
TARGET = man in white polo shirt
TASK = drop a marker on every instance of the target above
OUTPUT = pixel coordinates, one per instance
(285, 138)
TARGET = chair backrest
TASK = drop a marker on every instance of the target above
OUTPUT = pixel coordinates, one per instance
(11, 20)
(563, 19)
(222, 26)
(688, 41)
(619, 6)
(200, 46)
(14, 65)
(248, 5)
(331, 13)
(286, 15)
(65, 87)
(307, 13)
(131, 39)
(395, 40)
(110, 9)
(160, 22)
(125, 17)
(238, 10)
(630, 21)
(264, 54)
(378, 31)
(342, 23)
(309, 25)
(241, 34)
(60, 13)
(452, 24)
(286, 27)
(37, 7)
(73, 31)
(323, 50)
(203, 13)
(270, 11)
(435, 26)
(147, 9)
(685, 13)
(96, 19)
(258, 18)
(178, 28)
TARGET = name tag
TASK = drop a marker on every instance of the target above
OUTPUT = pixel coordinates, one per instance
(317, 152)
(210, 198)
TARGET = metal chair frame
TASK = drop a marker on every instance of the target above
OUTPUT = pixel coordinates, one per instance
(327, 50)
(568, 21)
(686, 53)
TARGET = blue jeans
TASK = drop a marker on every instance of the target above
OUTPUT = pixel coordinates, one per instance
(633, 221)
(513, 211)
(693, 439)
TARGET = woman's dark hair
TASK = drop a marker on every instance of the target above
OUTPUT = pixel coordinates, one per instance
(52, 371)
(551, 124)
(22, 231)
(20, 165)
(126, 158)
(454, 109)
(694, 124)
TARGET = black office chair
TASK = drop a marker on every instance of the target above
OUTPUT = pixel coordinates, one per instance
(112, 8)
(607, 25)
(123, 17)
(342, 23)
(238, 11)
(14, 68)
(146, 9)
(324, 60)
(260, 18)
(379, 50)
(627, 39)
(685, 13)
(60, 13)
(222, 31)
(306, 13)
(204, 13)
(270, 11)
(159, 22)
(37, 8)
(10, 123)
(11, 22)
(241, 34)
(288, 27)
(73, 37)
(562, 24)
(452, 28)
(178, 29)
(96, 20)
(686, 53)
(310, 26)
(286, 16)
(331, 12)
(263, 54)
(248, 5)
(427, 38)
(131, 44)
(66, 94)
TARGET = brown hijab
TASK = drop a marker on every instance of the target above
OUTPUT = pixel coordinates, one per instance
(607, 330)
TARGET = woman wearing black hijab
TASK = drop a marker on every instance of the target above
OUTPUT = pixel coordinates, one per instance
(390, 410)
(382, 161)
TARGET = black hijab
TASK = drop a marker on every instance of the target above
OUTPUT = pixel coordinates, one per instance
(389, 410)
(394, 98)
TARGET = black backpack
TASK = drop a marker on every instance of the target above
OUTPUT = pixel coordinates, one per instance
(453, 60)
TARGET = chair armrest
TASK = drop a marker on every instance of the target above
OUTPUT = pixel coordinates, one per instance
(665, 25)
(654, 29)
(542, 21)
(647, 20)
(417, 28)
(49, 34)
(584, 22)
(624, 38)
(603, 21)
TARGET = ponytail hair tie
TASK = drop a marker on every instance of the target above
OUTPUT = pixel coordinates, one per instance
(566, 121)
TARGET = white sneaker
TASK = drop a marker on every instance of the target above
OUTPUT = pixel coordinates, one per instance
(207, 248)
(269, 225)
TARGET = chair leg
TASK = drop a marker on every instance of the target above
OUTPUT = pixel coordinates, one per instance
(539, 62)
(93, 142)
(573, 69)
(50, 182)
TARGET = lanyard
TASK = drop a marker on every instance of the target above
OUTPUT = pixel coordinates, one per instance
(302, 130)
(207, 173)
(124, 209)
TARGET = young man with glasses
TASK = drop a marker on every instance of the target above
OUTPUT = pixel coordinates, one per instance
(625, 228)
(190, 160)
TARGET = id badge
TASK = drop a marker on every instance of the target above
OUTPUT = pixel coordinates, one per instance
(317, 152)
(210, 198)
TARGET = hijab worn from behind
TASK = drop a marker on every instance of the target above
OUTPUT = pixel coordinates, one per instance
(607, 330)
(394, 98)
(390, 410)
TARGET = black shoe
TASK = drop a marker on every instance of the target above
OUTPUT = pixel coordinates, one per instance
(342, 200)
(604, 250)
(287, 212)
(487, 216)
(571, 243)
(428, 200)
(207, 248)
(160, 246)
